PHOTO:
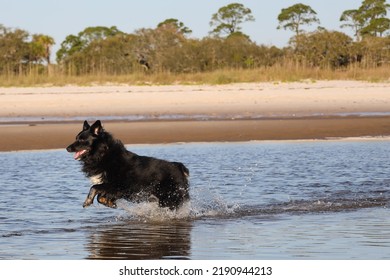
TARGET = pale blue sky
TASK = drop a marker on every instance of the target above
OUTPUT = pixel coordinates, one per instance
(61, 18)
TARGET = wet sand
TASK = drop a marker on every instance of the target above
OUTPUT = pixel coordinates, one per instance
(50, 117)
(59, 135)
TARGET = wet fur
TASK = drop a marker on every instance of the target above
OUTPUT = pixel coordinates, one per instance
(117, 173)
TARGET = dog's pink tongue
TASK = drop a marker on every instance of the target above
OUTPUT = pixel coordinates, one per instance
(78, 154)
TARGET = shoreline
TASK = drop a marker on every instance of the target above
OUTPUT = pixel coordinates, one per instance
(59, 135)
(50, 117)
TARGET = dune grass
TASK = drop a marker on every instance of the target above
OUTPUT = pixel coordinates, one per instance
(276, 73)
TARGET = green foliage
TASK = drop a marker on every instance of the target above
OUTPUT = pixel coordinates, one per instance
(228, 19)
(370, 19)
(17, 52)
(176, 25)
(162, 47)
(13, 49)
(294, 17)
(373, 51)
(353, 21)
(373, 15)
(75, 44)
(166, 51)
(41, 47)
(325, 49)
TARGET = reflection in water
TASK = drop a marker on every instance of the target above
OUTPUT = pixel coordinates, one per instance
(140, 240)
(148, 232)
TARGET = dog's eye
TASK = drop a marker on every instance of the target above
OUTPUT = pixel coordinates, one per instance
(82, 141)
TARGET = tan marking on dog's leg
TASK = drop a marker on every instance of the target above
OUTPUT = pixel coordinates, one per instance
(105, 201)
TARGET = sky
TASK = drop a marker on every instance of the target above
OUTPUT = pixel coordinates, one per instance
(61, 18)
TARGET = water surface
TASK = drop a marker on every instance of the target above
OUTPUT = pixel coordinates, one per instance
(252, 200)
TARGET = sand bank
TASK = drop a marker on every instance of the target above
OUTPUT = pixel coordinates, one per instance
(50, 117)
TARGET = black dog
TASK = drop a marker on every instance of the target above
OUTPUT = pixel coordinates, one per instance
(117, 173)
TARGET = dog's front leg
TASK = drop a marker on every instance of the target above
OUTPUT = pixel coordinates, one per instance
(95, 190)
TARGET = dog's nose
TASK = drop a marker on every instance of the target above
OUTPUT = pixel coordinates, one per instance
(69, 148)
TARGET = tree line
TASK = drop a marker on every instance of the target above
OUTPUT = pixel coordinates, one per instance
(169, 47)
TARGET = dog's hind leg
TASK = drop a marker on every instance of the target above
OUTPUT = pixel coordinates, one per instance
(103, 199)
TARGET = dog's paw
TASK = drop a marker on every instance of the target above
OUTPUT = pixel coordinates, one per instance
(87, 203)
(113, 205)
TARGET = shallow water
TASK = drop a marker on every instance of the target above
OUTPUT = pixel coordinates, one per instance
(253, 200)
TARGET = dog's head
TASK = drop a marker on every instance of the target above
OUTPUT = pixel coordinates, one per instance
(85, 140)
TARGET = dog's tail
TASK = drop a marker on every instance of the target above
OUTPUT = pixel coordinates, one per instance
(182, 168)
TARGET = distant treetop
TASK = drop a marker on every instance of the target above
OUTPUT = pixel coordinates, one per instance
(228, 19)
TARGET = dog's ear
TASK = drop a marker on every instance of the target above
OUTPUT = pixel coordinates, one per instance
(97, 128)
(86, 125)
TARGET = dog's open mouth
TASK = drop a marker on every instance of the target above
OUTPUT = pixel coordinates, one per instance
(79, 154)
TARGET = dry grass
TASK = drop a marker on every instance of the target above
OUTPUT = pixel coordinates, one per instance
(276, 73)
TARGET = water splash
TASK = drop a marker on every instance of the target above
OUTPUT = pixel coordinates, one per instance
(150, 211)
(203, 204)
(191, 210)
(218, 208)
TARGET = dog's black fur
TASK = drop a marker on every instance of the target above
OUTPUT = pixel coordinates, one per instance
(117, 173)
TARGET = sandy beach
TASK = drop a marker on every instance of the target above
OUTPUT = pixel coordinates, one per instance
(50, 117)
